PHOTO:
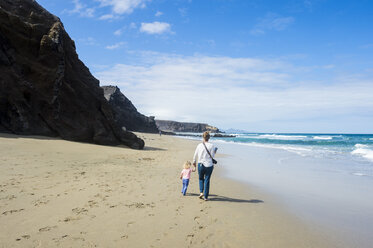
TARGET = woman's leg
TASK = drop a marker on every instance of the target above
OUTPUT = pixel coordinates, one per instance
(207, 180)
(201, 176)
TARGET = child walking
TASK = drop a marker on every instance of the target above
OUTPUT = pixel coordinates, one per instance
(185, 176)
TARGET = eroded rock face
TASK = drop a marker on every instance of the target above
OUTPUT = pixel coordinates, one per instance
(126, 114)
(175, 126)
(44, 88)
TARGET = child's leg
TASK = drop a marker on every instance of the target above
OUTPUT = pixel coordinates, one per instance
(186, 185)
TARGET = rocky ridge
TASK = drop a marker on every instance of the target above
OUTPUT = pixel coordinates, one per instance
(126, 114)
(175, 126)
(44, 88)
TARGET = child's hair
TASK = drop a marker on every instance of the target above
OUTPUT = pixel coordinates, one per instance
(187, 165)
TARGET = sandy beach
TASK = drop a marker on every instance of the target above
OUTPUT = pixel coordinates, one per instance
(57, 193)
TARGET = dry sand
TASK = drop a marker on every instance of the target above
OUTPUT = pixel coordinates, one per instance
(56, 193)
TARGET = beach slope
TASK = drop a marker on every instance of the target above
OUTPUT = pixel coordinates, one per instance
(60, 193)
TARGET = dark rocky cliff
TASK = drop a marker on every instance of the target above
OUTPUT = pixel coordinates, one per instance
(126, 114)
(44, 88)
(174, 126)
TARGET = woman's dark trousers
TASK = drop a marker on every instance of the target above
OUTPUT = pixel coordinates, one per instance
(204, 179)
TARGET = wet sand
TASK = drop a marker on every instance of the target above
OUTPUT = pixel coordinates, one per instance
(69, 194)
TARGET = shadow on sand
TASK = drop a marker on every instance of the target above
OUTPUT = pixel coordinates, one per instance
(150, 148)
(220, 198)
(23, 136)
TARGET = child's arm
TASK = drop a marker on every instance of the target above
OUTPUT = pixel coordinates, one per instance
(181, 175)
(194, 169)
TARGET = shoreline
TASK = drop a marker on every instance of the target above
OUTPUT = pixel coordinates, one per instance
(327, 201)
(56, 192)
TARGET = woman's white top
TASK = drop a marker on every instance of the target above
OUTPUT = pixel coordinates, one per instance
(202, 156)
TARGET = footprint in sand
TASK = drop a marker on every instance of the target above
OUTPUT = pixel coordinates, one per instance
(78, 239)
(9, 197)
(24, 237)
(148, 159)
(41, 201)
(47, 228)
(92, 204)
(79, 210)
(12, 211)
(69, 218)
(189, 238)
(197, 219)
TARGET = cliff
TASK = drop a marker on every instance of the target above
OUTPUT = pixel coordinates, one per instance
(126, 114)
(44, 88)
(174, 126)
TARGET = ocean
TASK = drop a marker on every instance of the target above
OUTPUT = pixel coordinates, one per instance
(324, 179)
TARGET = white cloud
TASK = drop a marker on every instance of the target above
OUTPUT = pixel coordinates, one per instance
(115, 46)
(183, 12)
(330, 66)
(118, 32)
(88, 41)
(227, 91)
(108, 17)
(133, 25)
(117, 8)
(81, 9)
(123, 6)
(271, 22)
(158, 13)
(155, 27)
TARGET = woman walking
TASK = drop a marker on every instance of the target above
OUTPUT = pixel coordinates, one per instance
(204, 154)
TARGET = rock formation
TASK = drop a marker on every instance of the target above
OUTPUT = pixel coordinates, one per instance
(44, 88)
(125, 113)
(174, 126)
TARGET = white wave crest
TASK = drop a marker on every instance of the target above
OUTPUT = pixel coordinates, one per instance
(359, 174)
(363, 151)
(302, 151)
(282, 137)
(322, 137)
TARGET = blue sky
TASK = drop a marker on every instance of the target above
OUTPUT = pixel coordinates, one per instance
(263, 66)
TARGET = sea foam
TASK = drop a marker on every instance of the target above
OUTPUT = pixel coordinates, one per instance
(282, 137)
(363, 151)
(322, 137)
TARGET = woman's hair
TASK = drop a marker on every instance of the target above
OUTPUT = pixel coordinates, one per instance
(187, 165)
(206, 136)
